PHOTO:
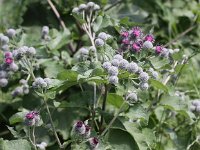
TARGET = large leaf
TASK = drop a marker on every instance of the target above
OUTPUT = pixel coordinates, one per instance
(144, 138)
(121, 140)
(14, 145)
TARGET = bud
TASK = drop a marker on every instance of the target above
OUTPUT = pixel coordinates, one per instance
(79, 128)
(123, 64)
(45, 30)
(96, 7)
(115, 62)
(90, 5)
(144, 77)
(113, 80)
(132, 98)
(84, 51)
(31, 51)
(3, 74)
(4, 40)
(75, 10)
(155, 74)
(7, 54)
(32, 118)
(106, 65)
(13, 67)
(132, 67)
(148, 45)
(17, 92)
(144, 86)
(11, 33)
(94, 143)
(87, 131)
(103, 36)
(113, 71)
(3, 82)
(82, 7)
(99, 42)
(5, 47)
(118, 57)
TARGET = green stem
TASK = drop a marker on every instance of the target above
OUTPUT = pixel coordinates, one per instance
(33, 134)
(104, 105)
(113, 120)
(52, 125)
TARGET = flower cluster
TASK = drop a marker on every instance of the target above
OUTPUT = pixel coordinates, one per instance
(41, 83)
(195, 107)
(7, 68)
(24, 51)
(82, 129)
(136, 41)
(21, 90)
(32, 118)
(86, 8)
(4, 40)
(117, 63)
(102, 38)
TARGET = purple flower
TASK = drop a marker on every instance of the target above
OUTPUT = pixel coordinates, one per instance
(136, 32)
(8, 54)
(159, 49)
(136, 46)
(32, 118)
(126, 41)
(79, 127)
(87, 131)
(149, 37)
(125, 34)
(94, 142)
(9, 60)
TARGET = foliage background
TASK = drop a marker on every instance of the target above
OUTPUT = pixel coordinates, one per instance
(171, 19)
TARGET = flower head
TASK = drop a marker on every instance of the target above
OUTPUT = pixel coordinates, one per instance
(136, 46)
(136, 32)
(159, 49)
(9, 60)
(150, 38)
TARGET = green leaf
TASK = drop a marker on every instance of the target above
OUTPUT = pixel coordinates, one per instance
(69, 75)
(116, 100)
(14, 145)
(121, 140)
(16, 118)
(144, 138)
(158, 85)
(59, 39)
(98, 23)
(158, 63)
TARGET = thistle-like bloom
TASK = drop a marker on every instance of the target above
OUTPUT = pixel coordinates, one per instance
(87, 131)
(150, 38)
(79, 128)
(136, 32)
(159, 49)
(94, 143)
(136, 47)
(124, 34)
(9, 60)
(132, 97)
(32, 118)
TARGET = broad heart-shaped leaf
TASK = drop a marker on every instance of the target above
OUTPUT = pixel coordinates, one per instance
(52, 68)
(144, 138)
(68, 75)
(18, 117)
(116, 100)
(59, 39)
(14, 145)
(158, 62)
(158, 85)
(121, 140)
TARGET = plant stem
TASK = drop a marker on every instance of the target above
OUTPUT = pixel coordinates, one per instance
(51, 121)
(114, 118)
(57, 14)
(29, 137)
(103, 105)
(33, 134)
